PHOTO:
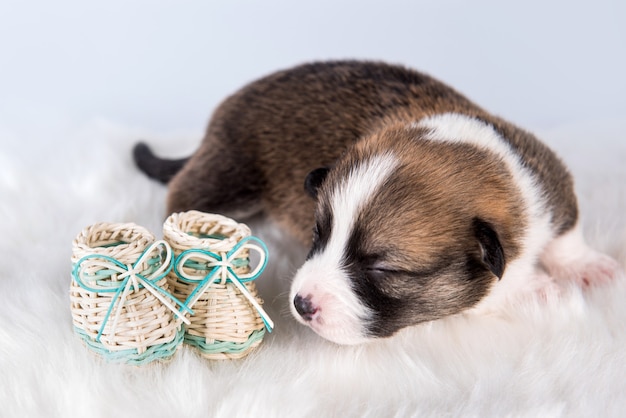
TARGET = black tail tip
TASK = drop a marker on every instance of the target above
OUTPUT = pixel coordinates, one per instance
(154, 167)
(142, 153)
(146, 161)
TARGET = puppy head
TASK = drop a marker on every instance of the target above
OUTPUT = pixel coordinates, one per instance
(407, 230)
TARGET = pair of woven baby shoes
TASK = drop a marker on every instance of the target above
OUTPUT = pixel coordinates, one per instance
(135, 299)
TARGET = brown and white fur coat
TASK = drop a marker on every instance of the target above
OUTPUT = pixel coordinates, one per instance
(420, 204)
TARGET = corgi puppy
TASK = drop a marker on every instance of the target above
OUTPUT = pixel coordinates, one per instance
(417, 203)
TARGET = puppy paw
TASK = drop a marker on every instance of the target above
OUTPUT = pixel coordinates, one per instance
(591, 269)
(569, 258)
(596, 269)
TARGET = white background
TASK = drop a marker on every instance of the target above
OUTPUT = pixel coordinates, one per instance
(163, 66)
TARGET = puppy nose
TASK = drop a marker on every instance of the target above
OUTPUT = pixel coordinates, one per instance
(305, 307)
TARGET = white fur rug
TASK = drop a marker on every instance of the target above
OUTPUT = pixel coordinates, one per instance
(566, 358)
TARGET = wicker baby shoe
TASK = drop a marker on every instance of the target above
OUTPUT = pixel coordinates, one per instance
(120, 304)
(212, 274)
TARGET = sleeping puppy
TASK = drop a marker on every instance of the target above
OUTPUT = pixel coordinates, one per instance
(419, 204)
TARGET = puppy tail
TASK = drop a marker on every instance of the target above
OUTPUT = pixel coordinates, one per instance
(159, 169)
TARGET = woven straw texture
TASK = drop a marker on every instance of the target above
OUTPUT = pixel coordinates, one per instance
(139, 327)
(224, 324)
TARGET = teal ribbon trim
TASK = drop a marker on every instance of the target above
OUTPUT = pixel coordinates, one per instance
(227, 347)
(131, 356)
(217, 263)
(100, 282)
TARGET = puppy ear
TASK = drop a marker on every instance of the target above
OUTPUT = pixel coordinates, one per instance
(492, 252)
(314, 180)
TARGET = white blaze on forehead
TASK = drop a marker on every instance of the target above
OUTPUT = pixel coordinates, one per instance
(323, 278)
(352, 194)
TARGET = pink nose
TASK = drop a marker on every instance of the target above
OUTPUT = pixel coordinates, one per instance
(305, 307)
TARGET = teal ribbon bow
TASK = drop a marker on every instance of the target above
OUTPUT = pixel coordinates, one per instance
(129, 277)
(222, 270)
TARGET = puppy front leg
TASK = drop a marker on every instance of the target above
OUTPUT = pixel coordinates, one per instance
(568, 257)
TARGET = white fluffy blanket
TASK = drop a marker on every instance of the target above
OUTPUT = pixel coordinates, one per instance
(565, 358)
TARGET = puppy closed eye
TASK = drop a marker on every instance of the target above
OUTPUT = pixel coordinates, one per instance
(385, 280)
(380, 270)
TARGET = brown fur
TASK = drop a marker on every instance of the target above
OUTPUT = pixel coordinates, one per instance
(418, 228)
(263, 141)
(431, 241)
(438, 189)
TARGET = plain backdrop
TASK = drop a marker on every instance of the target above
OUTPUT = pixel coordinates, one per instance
(163, 66)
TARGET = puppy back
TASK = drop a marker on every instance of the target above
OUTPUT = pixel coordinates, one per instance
(293, 121)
